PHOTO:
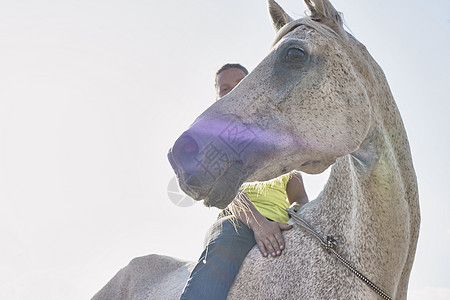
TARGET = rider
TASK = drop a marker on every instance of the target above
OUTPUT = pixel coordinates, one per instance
(256, 216)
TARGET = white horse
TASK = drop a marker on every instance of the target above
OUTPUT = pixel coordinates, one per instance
(318, 99)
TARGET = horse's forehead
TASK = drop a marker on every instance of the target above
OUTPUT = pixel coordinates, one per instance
(307, 29)
(314, 40)
(303, 33)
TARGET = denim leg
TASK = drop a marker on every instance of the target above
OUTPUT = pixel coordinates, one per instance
(212, 277)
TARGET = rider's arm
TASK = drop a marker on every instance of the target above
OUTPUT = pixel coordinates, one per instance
(267, 233)
(295, 190)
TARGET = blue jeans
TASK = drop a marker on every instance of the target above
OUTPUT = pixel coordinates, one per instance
(229, 241)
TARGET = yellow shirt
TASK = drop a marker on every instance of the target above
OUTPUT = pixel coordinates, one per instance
(269, 197)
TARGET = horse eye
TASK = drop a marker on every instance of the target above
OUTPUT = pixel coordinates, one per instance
(295, 54)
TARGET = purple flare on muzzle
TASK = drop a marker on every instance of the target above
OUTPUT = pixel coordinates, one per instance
(210, 147)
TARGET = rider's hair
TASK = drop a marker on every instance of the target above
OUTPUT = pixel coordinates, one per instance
(230, 66)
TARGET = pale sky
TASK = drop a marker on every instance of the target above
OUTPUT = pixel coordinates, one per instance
(94, 93)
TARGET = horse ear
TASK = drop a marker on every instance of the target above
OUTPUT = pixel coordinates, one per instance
(279, 16)
(323, 11)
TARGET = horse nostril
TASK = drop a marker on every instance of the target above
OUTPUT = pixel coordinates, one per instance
(190, 146)
(185, 150)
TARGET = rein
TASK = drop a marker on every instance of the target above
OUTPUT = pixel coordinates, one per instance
(329, 243)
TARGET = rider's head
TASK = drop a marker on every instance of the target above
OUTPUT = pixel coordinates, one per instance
(227, 77)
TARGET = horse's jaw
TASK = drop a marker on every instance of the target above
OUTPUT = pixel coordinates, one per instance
(316, 166)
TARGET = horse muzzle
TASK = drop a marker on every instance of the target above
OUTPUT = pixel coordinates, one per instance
(209, 159)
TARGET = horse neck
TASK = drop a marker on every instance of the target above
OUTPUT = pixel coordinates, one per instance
(370, 201)
(377, 180)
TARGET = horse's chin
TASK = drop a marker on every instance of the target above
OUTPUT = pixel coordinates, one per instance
(219, 199)
(225, 188)
(220, 205)
(316, 167)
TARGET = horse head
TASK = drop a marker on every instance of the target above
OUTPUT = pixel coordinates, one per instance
(305, 105)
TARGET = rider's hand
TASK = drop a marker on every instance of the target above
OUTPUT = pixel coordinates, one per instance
(269, 238)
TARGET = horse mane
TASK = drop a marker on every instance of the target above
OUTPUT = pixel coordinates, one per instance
(324, 9)
(308, 21)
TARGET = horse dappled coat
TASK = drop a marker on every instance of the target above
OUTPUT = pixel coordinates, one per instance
(317, 99)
